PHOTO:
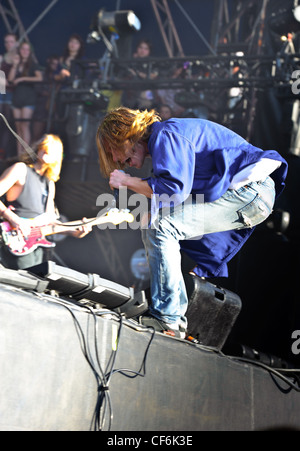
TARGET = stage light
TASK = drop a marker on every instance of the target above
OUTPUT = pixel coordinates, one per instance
(296, 13)
(139, 265)
(286, 19)
(120, 25)
(119, 21)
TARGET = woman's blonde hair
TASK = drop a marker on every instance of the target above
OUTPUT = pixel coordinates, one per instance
(54, 146)
(120, 126)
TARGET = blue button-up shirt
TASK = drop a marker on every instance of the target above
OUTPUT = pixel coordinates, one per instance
(196, 156)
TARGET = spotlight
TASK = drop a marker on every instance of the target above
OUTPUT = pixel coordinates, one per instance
(118, 21)
(121, 24)
(286, 19)
(296, 13)
(139, 265)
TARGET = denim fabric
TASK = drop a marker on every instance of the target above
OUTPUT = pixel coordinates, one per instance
(6, 98)
(236, 209)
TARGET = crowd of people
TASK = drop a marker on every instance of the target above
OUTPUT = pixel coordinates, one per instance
(32, 102)
(29, 89)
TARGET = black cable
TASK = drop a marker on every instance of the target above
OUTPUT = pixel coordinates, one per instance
(289, 370)
(100, 378)
(83, 343)
(103, 389)
(275, 371)
(142, 371)
(103, 378)
(103, 397)
(102, 393)
(26, 147)
(109, 372)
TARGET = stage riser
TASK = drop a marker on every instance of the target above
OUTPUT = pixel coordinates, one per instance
(47, 384)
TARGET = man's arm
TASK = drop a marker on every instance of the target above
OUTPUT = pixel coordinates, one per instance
(118, 179)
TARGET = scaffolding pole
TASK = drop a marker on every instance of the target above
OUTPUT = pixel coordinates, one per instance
(229, 36)
(167, 27)
(38, 19)
(10, 13)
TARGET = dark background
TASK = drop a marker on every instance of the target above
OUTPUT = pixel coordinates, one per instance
(66, 17)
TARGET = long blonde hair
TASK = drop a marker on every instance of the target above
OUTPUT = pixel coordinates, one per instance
(53, 145)
(120, 126)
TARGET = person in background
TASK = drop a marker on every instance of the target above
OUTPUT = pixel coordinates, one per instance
(139, 71)
(6, 62)
(29, 190)
(74, 51)
(23, 76)
(46, 95)
(68, 72)
(168, 96)
(209, 189)
(165, 112)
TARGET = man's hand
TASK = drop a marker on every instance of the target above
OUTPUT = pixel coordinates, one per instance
(118, 179)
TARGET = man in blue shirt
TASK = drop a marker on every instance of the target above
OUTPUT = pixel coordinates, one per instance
(208, 190)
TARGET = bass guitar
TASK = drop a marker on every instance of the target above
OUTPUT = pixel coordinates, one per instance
(19, 245)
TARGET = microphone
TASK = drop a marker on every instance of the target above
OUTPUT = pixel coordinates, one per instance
(116, 196)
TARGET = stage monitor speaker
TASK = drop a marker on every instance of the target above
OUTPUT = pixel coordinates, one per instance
(22, 279)
(135, 306)
(90, 287)
(63, 280)
(212, 311)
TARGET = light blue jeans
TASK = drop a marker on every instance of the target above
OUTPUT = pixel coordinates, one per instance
(236, 209)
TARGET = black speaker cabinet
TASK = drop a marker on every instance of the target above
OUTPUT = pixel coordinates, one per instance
(90, 287)
(212, 311)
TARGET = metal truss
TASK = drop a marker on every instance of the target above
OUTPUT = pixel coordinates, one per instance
(239, 25)
(167, 27)
(226, 85)
(200, 72)
(11, 18)
(13, 22)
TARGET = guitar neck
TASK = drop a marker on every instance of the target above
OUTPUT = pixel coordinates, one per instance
(52, 229)
(19, 244)
(112, 217)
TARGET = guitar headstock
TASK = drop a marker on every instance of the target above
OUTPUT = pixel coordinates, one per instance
(116, 216)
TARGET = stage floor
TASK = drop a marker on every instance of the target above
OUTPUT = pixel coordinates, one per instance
(65, 367)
